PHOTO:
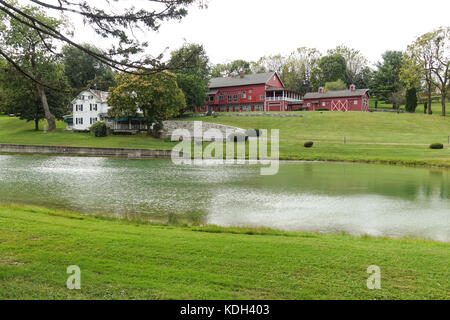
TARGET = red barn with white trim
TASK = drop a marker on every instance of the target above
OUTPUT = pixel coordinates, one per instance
(343, 100)
(255, 92)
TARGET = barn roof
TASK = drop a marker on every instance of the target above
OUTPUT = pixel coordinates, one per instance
(248, 79)
(336, 94)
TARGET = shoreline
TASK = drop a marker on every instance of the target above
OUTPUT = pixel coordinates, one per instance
(146, 154)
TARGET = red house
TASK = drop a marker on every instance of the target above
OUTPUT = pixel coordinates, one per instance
(344, 100)
(256, 92)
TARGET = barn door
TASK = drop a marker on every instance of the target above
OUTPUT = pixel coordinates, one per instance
(339, 105)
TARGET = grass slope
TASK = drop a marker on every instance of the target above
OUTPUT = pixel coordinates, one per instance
(126, 260)
(371, 137)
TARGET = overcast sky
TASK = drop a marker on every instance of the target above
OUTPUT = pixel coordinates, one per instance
(249, 29)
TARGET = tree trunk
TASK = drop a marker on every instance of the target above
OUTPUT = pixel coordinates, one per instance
(36, 124)
(444, 94)
(48, 115)
(429, 97)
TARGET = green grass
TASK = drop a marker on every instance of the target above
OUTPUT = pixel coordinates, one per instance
(15, 131)
(370, 137)
(131, 260)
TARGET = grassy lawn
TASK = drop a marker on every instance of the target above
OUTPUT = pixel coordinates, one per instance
(370, 137)
(15, 131)
(130, 260)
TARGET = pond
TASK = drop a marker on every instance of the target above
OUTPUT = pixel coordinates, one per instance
(317, 197)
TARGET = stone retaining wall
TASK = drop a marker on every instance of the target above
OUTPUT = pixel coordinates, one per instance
(171, 126)
(85, 151)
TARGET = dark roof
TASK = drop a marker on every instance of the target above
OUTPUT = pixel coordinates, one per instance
(211, 92)
(248, 79)
(336, 94)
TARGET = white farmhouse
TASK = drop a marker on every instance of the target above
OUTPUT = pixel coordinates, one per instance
(86, 109)
(91, 106)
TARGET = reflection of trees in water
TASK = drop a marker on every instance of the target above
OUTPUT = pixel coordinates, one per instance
(353, 179)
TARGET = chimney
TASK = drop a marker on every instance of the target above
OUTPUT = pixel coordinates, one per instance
(352, 87)
(321, 90)
(241, 74)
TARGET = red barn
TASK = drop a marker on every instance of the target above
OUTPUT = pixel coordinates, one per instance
(344, 100)
(255, 92)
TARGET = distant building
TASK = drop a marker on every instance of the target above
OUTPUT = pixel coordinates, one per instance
(343, 100)
(255, 92)
(91, 106)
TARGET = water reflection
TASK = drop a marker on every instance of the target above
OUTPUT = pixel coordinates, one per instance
(320, 197)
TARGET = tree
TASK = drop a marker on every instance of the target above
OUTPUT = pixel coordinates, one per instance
(103, 19)
(386, 80)
(226, 69)
(190, 59)
(21, 97)
(411, 100)
(356, 63)
(418, 64)
(269, 64)
(28, 51)
(441, 49)
(330, 69)
(194, 90)
(296, 73)
(83, 70)
(335, 86)
(397, 99)
(156, 95)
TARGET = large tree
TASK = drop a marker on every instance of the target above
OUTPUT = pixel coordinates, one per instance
(274, 63)
(226, 69)
(355, 61)
(83, 70)
(156, 95)
(330, 69)
(386, 80)
(126, 52)
(194, 90)
(296, 73)
(21, 97)
(190, 59)
(29, 51)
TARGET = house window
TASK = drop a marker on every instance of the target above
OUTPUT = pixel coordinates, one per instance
(79, 107)
(217, 98)
(230, 98)
(324, 104)
(309, 104)
(244, 95)
(81, 97)
(355, 102)
(91, 97)
(93, 107)
(249, 97)
(211, 98)
(79, 120)
(221, 97)
(262, 97)
(249, 91)
(93, 120)
(235, 97)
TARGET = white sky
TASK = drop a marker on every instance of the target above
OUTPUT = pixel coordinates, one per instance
(249, 29)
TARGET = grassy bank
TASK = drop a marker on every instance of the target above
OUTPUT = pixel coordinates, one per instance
(370, 137)
(129, 260)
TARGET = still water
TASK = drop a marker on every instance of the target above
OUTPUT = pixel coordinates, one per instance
(319, 197)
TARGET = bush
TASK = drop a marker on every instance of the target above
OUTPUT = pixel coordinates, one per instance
(99, 129)
(309, 144)
(323, 109)
(437, 146)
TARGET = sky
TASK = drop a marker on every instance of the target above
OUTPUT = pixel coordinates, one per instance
(249, 29)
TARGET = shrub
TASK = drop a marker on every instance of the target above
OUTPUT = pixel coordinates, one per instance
(99, 129)
(323, 109)
(437, 146)
(309, 144)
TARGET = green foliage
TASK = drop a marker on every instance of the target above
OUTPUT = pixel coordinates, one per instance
(83, 70)
(386, 80)
(99, 129)
(156, 95)
(194, 90)
(236, 66)
(335, 86)
(190, 59)
(308, 144)
(357, 65)
(330, 69)
(437, 146)
(411, 100)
